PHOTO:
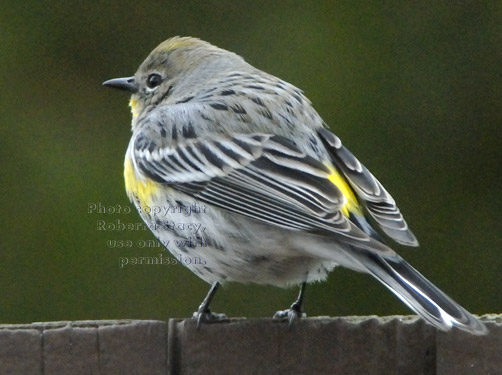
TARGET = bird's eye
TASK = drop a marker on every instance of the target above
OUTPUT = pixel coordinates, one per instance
(153, 80)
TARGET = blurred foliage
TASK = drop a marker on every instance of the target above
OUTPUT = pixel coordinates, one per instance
(413, 89)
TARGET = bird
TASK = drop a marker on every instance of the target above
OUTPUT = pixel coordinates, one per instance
(278, 199)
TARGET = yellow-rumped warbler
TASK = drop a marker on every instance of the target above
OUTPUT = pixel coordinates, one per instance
(283, 200)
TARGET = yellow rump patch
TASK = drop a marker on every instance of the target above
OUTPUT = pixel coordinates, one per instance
(144, 190)
(351, 202)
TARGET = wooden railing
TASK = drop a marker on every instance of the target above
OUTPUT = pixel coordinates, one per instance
(317, 346)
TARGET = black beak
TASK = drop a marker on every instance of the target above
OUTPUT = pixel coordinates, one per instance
(126, 84)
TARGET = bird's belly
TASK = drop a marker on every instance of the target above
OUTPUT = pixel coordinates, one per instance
(220, 246)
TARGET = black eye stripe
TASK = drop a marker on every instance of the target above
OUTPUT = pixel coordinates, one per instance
(165, 95)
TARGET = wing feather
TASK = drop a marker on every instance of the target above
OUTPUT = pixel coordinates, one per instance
(261, 176)
(379, 203)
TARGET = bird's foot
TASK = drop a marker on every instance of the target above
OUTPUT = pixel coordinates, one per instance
(292, 314)
(206, 316)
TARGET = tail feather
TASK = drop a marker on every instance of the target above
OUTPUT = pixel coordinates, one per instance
(418, 293)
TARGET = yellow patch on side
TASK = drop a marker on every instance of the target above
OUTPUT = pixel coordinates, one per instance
(133, 103)
(351, 202)
(143, 190)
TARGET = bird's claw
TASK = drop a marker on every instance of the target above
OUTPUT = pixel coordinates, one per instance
(206, 316)
(292, 314)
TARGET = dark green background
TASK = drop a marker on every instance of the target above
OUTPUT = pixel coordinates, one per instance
(413, 89)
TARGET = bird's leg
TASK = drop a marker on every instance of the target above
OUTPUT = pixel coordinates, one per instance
(296, 309)
(204, 314)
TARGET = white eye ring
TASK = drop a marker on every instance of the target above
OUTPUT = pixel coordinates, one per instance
(153, 81)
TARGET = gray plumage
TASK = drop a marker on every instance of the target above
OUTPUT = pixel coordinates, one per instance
(286, 201)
